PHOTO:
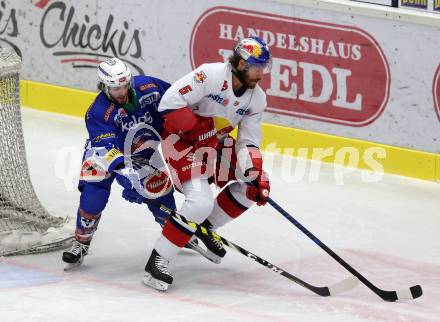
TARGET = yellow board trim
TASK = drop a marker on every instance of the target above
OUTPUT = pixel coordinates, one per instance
(57, 99)
(401, 161)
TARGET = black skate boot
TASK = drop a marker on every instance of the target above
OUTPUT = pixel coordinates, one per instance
(194, 245)
(214, 248)
(75, 256)
(157, 275)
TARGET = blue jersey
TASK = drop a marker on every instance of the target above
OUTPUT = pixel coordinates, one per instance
(110, 125)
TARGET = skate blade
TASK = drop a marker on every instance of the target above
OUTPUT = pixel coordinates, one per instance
(70, 266)
(205, 253)
(155, 283)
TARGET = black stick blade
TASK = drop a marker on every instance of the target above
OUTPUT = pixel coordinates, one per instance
(409, 294)
(406, 294)
(416, 291)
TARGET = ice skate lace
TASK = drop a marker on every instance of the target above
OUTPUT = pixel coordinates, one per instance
(77, 249)
(162, 265)
(216, 242)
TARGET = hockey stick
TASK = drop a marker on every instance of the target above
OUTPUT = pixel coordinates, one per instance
(391, 296)
(343, 286)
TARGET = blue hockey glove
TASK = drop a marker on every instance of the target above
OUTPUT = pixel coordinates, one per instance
(129, 179)
(132, 195)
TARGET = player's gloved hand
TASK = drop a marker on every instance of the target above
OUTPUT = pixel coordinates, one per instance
(258, 182)
(203, 134)
(129, 179)
(258, 189)
(132, 195)
(195, 128)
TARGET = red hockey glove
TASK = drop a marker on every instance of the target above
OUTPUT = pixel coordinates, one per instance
(197, 129)
(203, 134)
(259, 184)
(258, 189)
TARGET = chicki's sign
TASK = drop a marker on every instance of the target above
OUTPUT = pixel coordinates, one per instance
(321, 71)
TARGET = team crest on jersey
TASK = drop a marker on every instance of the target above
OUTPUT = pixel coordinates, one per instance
(120, 115)
(147, 140)
(236, 103)
(199, 77)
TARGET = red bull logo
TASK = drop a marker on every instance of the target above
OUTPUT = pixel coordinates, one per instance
(253, 49)
(199, 77)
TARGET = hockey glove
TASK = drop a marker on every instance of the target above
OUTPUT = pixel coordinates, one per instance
(258, 189)
(132, 195)
(195, 128)
(129, 179)
(203, 134)
(258, 182)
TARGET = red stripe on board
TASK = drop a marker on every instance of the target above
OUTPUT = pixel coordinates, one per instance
(41, 4)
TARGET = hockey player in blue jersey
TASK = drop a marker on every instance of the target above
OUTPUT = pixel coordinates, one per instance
(124, 129)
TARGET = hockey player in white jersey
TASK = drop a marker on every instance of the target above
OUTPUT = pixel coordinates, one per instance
(199, 150)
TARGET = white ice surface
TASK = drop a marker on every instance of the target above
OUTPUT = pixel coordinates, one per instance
(388, 230)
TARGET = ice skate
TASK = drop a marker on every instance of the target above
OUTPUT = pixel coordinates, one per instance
(214, 248)
(157, 274)
(75, 256)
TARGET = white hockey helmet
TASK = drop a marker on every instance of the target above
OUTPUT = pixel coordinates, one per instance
(113, 73)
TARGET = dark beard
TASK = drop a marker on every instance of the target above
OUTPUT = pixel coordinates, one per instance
(241, 75)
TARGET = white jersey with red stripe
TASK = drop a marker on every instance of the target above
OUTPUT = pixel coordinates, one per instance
(207, 91)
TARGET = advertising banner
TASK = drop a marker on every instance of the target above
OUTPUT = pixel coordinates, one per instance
(419, 4)
(312, 67)
(332, 72)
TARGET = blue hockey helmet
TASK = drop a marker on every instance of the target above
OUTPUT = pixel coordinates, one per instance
(255, 52)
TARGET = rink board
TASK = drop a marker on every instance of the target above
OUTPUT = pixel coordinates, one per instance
(401, 161)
